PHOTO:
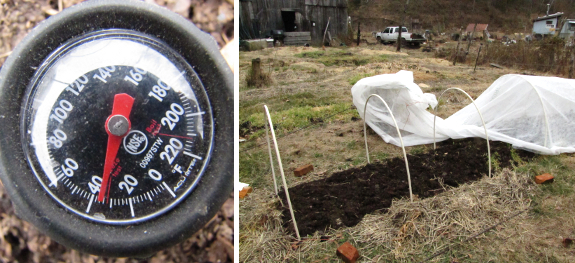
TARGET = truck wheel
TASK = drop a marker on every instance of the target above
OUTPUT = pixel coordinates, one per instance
(379, 40)
(403, 42)
(417, 44)
(538, 36)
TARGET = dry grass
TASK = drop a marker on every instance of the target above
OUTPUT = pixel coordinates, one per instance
(407, 232)
(413, 231)
(263, 79)
(550, 55)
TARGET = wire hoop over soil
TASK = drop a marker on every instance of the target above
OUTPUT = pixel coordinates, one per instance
(480, 116)
(398, 133)
(271, 128)
(343, 198)
(547, 134)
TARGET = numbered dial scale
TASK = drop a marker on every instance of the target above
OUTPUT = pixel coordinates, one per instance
(113, 137)
(117, 123)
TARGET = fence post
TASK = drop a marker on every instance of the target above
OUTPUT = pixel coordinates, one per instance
(358, 33)
(469, 38)
(458, 43)
(478, 52)
(256, 70)
(571, 65)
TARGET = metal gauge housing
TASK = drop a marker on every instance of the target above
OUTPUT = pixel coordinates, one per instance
(116, 119)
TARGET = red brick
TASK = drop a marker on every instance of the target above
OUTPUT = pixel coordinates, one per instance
(245, 191)
(544, 178)
(303, 170)
(347, 253)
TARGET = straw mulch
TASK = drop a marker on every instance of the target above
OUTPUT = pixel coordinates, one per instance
(405, 232)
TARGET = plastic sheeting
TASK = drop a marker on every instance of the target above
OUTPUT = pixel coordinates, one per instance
(529, 112)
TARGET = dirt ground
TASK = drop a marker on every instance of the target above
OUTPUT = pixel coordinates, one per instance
(344, 198)
(20, 241)
(310, 103)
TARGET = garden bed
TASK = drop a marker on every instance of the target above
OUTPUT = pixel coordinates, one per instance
(344, 198)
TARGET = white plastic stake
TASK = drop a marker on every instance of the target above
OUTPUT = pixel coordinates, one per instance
(398, 133)
(271, 127)
(271, 158)
(480, 116)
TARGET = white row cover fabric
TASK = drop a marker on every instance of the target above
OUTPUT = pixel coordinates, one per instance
(529, 112)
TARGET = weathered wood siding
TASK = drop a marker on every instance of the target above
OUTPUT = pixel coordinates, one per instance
(259, 17)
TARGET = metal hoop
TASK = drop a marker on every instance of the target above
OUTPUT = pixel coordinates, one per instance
(399, 134)
(480, 116)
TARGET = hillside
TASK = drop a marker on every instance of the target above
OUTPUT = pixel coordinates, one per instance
(448, 15)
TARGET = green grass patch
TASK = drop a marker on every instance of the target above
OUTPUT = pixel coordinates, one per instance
(360, 160)
(351, 60)
(253, 167)
(351, 145)
(298, 117)
(417, 150)
(286, 102)
(324, 53)
(562, 185)
(311, 54)
(516, 158)
(495, 163)
(379, 156)
(564, 180)
(357, 77)
(341, 57)
(305, 68)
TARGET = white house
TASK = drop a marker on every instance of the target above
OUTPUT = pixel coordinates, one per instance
(546, 25)
(568, 29)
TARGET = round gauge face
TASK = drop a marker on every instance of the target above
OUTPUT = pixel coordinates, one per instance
(117, 127)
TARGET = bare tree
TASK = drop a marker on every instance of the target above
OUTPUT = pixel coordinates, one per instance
(400, 26)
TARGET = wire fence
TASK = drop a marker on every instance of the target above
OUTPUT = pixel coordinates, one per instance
(554, 55)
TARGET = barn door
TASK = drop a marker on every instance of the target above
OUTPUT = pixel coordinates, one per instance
(288, 18)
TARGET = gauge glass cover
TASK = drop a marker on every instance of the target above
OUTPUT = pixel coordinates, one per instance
(168, 143)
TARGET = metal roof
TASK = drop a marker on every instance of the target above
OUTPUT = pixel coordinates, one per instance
(479, 28)
(548, 17)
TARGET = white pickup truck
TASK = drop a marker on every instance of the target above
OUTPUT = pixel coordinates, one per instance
(389, 35)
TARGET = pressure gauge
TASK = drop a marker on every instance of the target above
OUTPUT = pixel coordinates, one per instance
(117, 119)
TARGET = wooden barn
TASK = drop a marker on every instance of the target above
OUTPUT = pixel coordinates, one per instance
(303, 21)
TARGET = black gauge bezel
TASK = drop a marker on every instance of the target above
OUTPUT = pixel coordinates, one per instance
(116, 34)
(30, 200)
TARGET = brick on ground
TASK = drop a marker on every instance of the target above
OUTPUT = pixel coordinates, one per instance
(245, 191)
(347, 253)
(303, 170)
(544, 178)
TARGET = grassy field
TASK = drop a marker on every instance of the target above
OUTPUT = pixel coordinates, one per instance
(316, 123)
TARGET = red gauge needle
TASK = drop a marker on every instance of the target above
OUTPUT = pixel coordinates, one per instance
(117, 126)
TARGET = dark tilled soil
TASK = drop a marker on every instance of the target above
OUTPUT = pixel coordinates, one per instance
(342, 199)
